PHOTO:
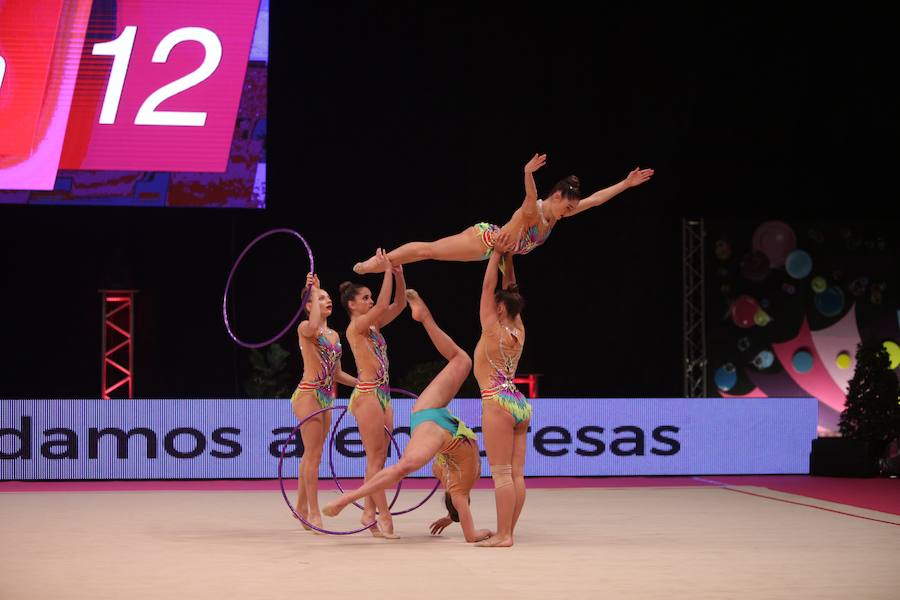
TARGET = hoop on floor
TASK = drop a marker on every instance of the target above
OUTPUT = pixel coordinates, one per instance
(312, 269)
(331, 461)
(337, 482)
(281, 479)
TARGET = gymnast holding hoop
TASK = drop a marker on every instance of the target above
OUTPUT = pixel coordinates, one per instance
(434, 433)
(313, 400)
(320, 349)
(529, 226)
(370, 401)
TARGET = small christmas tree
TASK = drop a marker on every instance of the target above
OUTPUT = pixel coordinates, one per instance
(872, 412)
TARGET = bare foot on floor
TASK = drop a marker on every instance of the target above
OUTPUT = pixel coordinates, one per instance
(495, 542)
(386, 526)
(303, 513)
(367, 519)
(417, 306)
(315, 520)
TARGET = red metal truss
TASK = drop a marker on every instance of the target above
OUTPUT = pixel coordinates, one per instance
(117, 351)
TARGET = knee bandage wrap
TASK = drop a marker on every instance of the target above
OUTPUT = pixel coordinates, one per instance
(502, 475)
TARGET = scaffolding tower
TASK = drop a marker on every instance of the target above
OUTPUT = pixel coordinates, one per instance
(117, 345)
(694, 315)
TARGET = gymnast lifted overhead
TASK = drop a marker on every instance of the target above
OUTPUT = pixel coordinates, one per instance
(529, 226)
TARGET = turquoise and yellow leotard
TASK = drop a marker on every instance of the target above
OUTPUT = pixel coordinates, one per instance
(458, 464)
(443, 417)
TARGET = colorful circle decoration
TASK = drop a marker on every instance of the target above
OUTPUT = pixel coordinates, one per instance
(798, 264)
(761, 318)
(818, 284)
(776, 240)
(893, 351)
(755, 266)
(843, 360)
(830, 302)
(802, 360)
(726, 377)
(764, 359)
(743, 309)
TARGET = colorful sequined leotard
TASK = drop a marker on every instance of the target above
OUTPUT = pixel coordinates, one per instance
(503, 391)
(323, 385)
(529, 239)
(380, 385)
(458, 464)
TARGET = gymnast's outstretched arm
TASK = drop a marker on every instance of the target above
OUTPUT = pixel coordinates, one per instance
(634, 178)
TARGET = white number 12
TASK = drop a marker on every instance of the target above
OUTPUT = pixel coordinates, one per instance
(121, 48)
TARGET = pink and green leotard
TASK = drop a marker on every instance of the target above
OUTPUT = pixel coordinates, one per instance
(503, 390)
(380, 386)
(323, 384)
(529, 240)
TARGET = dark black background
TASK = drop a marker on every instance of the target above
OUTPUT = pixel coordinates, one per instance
(398, 121)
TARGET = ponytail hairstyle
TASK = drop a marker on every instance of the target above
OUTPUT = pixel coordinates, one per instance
(348, 291)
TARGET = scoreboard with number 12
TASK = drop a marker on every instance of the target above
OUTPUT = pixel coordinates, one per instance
(120, 85)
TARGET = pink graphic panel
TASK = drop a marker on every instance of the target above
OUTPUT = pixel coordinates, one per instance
(816, 381)
(163, 93)
(28, 33)
(776, 384)
(37, 170)
(754, 393)
(843, 336)
(829, 420)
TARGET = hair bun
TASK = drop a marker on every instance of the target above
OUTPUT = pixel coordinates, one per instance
(568, 188)
(344, 286)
